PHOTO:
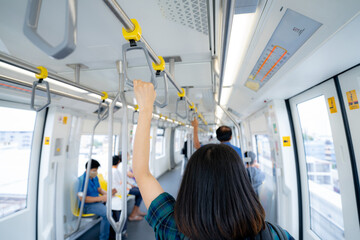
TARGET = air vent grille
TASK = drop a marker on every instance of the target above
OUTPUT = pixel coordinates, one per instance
(189, 13)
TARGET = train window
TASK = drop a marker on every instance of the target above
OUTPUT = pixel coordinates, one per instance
(16, 133)
(160, 143)
(322, 174)
(99, 152)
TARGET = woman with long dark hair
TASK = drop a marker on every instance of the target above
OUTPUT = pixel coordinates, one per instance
(215, 200)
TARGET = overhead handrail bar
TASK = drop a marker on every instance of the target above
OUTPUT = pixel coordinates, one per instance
(26, 66)
(178, 101)
(68, 45)
(101, 117)
(118, 226)
(130, 27)
(43, 74)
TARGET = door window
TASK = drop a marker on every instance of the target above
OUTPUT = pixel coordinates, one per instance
(326, 217)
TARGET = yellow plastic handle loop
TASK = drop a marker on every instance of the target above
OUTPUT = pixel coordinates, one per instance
(43, 73)
(192, 106)
(182, 94)
(166, 118)
(196, 109)
(160, 116)
(105, 96)
(134, 35)
(161, 66)
(136, 107)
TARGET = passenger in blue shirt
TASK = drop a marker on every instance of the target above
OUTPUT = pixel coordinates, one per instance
(94, 203)
(223, 134)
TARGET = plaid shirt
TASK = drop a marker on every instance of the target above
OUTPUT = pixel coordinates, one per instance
(161, 218)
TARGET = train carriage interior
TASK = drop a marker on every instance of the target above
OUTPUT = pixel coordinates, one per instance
(283, 75)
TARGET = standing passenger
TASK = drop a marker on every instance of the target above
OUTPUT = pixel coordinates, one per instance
(256, 175)
(94, 203)
(116, 203)
(223, 134)
(215, 200)
(136, 214)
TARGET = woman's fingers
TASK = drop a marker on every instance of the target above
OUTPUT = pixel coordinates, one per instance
(145, 94)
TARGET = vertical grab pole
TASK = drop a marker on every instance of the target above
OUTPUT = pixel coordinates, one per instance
(118, 226)
(124, 148)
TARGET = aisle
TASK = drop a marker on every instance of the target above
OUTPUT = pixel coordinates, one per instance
(170, 182)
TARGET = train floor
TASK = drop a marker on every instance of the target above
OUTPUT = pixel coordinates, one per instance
(140, 230)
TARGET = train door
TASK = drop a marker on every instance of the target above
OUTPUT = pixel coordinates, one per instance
(21, 133)
(350, 89)
(328, 196)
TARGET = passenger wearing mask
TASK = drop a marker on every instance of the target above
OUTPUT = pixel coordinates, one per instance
(94, 203)
(257, 177)
(215, 200)
(136, 214)
(223, 134)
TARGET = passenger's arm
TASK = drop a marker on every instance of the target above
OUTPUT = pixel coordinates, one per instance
(130, 174)
(89, 199)
(148, 185)
(195, 124)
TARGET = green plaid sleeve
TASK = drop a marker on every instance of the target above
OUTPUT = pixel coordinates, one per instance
(160, 217)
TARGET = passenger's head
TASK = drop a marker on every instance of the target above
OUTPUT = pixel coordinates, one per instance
(223, 134)
(251, 155)
(94, 165)
(116, 160)
(216, 199)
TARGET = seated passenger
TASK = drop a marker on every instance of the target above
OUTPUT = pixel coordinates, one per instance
(136, 214)
(215, 200)
(94, 203)
(256, 175)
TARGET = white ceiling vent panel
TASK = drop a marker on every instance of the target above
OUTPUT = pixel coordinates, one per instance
(190, 13)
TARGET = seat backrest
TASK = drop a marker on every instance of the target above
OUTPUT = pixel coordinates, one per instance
(103, 183)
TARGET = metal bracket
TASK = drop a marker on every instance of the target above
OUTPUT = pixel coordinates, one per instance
(166, 96)
(102, 115)
(127, 47)
(68, 45)
(35, 84)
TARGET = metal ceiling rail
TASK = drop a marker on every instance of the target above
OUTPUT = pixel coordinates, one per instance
(227, 20)
(42, 88)
(64, 94)
(19, 63)
(129, 27)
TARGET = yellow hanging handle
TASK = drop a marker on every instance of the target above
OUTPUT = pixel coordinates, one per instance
(105, 96)
(192, 106)
(160, 116)
(182, 94)
(134, 35)
(161, 66)
(166, 118)
(136, 107)
(43, 73)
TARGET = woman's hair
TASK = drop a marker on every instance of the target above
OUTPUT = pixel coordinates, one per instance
(216, 199)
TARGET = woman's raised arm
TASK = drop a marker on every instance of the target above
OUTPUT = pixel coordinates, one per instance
(148, 185)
